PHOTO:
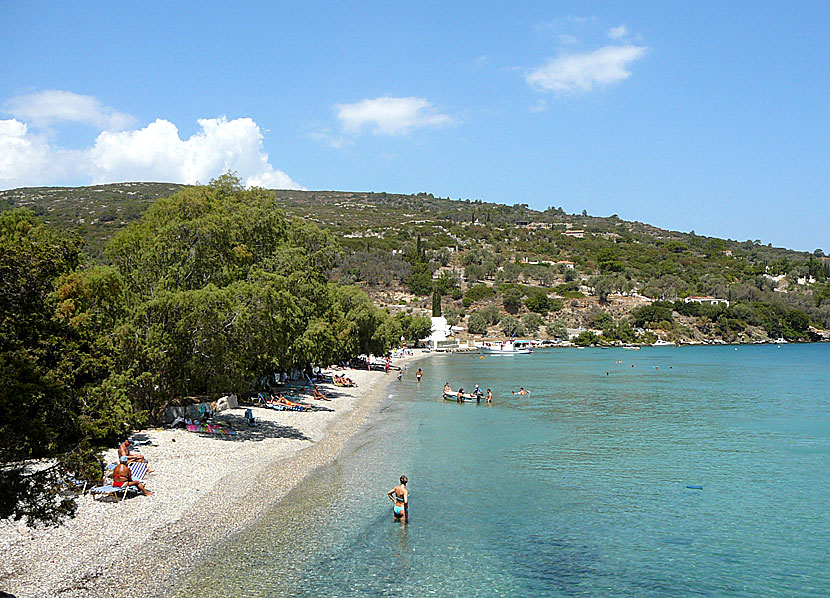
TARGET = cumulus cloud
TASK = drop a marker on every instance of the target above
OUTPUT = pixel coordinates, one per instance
(618, 33)
(44, 108)
(152, 153)
(389, 116)
(156, 152)
(580, 73)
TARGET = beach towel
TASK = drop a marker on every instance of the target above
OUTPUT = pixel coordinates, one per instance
(210, 429)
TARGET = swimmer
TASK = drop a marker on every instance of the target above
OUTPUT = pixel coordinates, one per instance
(522, 391)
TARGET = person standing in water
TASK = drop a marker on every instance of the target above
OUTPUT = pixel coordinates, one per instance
(489, 396)
(400, 496)
(418, 374)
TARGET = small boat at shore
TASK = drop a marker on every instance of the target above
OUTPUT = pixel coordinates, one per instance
(508, 348)
(465, 397)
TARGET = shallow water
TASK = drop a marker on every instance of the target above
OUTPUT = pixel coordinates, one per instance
(579, 488)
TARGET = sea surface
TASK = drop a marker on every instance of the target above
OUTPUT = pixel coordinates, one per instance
(580, 488)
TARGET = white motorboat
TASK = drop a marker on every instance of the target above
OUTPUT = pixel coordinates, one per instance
(508, 348)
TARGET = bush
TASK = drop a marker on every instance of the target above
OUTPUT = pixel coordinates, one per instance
(477, 292)
(650, 315)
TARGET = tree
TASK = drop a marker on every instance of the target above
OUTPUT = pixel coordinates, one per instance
(477, 323)
(512, 299)
(538, 302)
(511, 326)
(436, 304)
(52, 362)
(557, 330)
(531, 322)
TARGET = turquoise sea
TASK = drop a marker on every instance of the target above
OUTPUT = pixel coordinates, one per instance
(578, 489)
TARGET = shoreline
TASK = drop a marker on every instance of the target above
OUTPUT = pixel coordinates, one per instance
(150, 543)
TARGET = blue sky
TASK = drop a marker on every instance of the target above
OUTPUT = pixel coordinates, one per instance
(710, 117)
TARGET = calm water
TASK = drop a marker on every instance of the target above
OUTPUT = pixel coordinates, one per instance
(578, 489)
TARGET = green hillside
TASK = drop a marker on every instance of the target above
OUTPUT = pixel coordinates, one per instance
(591, 270)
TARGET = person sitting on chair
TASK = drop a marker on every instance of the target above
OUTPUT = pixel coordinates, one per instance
(122, 476)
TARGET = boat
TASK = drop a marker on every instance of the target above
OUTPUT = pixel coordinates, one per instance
(508, 348)
(662, 343)
(465, 397)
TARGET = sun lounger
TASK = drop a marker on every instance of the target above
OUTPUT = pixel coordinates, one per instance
(138, 471)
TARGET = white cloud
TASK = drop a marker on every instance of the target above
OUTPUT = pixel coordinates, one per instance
(156, 152)
(567, 40)
(579, 73)
(45, 108)
(618, 33)
(153, 153)
(389, 116)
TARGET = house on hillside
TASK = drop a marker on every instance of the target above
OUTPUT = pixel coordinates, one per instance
(576, 233)
(707, 300)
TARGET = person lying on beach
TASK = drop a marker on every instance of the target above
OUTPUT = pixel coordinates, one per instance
(121, 476)
(281, 400)
(344, 381)
(400, 496)
(319, 395)
(124, 451)
(522, 391)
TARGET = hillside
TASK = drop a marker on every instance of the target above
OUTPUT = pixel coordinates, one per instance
(495, 265)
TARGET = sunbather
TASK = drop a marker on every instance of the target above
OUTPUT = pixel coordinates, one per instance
(124, 451)
(319, 395)
(122, 476)
(281, 400)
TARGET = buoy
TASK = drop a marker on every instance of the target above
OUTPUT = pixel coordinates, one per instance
(695, 487)
(482, 357)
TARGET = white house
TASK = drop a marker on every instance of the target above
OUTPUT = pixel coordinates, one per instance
(439, 333)
(706, 300)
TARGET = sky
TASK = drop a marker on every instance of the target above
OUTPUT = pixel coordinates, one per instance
(701, 116)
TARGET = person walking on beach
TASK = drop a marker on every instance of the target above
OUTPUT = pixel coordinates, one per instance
(418, 374)
(400, 496)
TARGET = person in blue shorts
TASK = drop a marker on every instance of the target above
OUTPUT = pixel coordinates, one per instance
(400, 496)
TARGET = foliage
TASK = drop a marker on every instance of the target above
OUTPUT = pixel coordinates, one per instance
(512, 298)
(651, 315)
(477, 292)
(511, 326)
(436, 304)
(477, 323)
(557, 330)
(531, 322)
(586, 338)
(538, 302)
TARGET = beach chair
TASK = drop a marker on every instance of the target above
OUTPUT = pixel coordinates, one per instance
(138, 471)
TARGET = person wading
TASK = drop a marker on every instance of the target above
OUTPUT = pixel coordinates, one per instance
(400, 496)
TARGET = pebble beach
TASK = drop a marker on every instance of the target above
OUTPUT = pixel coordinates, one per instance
(205, 487)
